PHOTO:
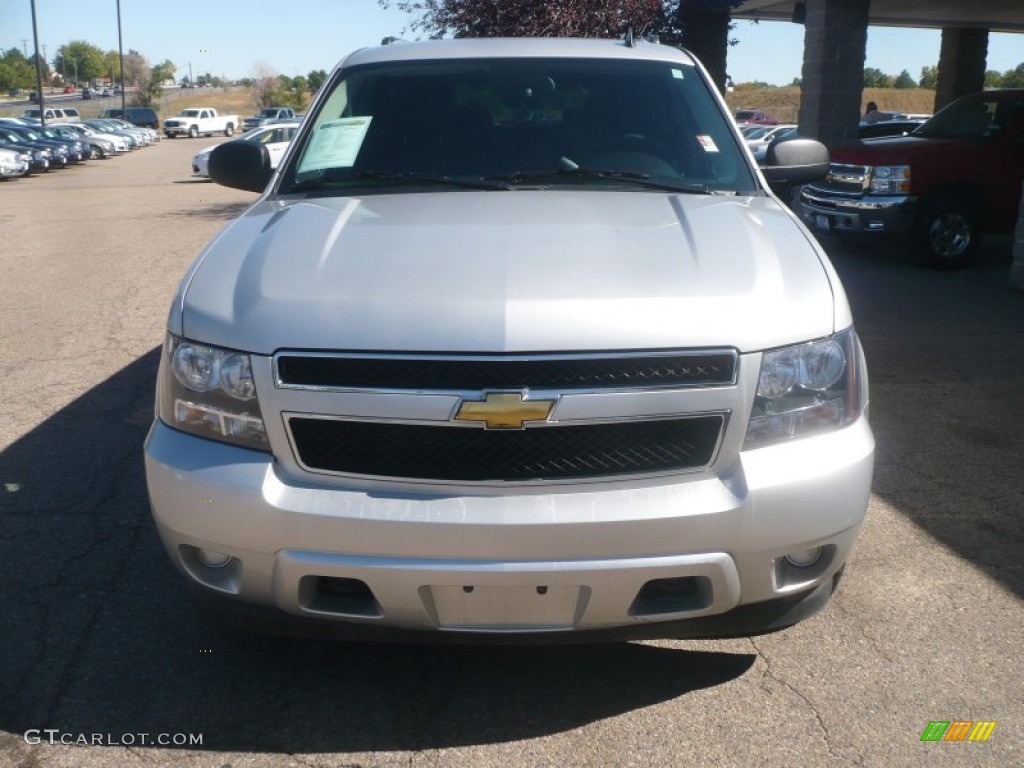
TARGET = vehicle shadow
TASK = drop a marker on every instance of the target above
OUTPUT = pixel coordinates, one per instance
(210, 210)
(102, 640)
(945, 352)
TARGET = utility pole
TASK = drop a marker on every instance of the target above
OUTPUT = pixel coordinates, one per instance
(39, 70)
(24, 46)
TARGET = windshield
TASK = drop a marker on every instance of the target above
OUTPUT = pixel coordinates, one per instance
(527, 121)
(975, 118)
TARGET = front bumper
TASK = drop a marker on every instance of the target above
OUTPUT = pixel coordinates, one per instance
(828, 212)
(694, 556)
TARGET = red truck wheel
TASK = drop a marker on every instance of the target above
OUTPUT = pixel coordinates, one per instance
(946, 235)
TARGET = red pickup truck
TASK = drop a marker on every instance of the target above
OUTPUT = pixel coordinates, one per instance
(958, 175)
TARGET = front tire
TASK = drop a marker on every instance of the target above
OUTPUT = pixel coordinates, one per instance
(193, 132)
(947, 234)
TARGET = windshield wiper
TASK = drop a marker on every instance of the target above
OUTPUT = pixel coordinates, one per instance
(628, 177)
(329, 176)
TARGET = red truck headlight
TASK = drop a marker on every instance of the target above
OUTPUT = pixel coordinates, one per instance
(890, 180)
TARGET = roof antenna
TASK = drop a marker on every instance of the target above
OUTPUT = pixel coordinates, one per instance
(629, 36)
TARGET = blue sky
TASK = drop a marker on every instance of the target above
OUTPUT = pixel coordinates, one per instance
(232, 38)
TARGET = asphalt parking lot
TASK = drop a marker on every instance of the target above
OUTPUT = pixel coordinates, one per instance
(100, 643)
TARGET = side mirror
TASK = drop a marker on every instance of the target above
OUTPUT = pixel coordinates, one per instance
(242, 165)
(795, 161)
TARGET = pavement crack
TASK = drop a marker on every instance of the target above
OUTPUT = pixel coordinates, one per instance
(858, 624)
(770, 673)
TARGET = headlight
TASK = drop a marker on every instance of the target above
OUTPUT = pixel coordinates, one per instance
(209, 391)
(890, 180)
(807, 389)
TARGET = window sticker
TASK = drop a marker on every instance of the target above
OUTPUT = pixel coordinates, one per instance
(707, 142)
(335, 143)
(677, 73)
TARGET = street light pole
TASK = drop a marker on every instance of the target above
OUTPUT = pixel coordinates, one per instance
(120, 55)
(39, 70)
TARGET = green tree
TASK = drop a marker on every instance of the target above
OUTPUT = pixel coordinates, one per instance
(875, 78)
(163, 71)
(112, 65)
(1014, 78)
(993, 79)
(904, 80)
(273, 90)
(315, 79)
(929, 77)
(80, 62)
(16, 71)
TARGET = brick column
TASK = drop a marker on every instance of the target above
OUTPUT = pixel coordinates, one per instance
(835, 37)
(961, 64)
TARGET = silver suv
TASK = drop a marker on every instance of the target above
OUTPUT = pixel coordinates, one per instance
(515, 343)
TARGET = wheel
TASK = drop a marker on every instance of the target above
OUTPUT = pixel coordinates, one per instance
(946, 235)
(94, 152)
(193, 132)
(230, 130)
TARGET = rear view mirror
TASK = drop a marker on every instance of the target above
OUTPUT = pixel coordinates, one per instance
(795, 161)
(792, 162)
(242, 165)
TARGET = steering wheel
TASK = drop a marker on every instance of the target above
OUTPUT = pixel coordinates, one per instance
(633, 152)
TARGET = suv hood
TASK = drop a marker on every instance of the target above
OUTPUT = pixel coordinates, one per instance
(529, 270)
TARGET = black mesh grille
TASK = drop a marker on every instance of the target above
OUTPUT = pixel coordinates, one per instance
(470, 454)
(558, 373)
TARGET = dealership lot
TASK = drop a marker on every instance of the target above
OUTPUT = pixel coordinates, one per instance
(101, 641)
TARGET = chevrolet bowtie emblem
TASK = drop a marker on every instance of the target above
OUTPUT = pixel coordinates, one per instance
(504, 410)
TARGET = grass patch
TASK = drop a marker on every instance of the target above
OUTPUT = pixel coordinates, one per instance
(784, 103)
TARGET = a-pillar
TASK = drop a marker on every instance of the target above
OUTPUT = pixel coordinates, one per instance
(835, 38)
(961, 63)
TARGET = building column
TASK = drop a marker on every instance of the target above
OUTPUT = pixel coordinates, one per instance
(961, 64)
(835, 39)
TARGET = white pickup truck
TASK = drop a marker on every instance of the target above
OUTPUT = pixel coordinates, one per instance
(200, 122)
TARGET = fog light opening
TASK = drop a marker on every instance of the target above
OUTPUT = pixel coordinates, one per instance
(804, 559)
(211, 558)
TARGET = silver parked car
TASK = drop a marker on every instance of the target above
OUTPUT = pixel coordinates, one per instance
(462, 372)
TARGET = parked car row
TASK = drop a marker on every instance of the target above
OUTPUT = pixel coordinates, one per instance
(758, 137)
(27, 146)
(275, 138)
